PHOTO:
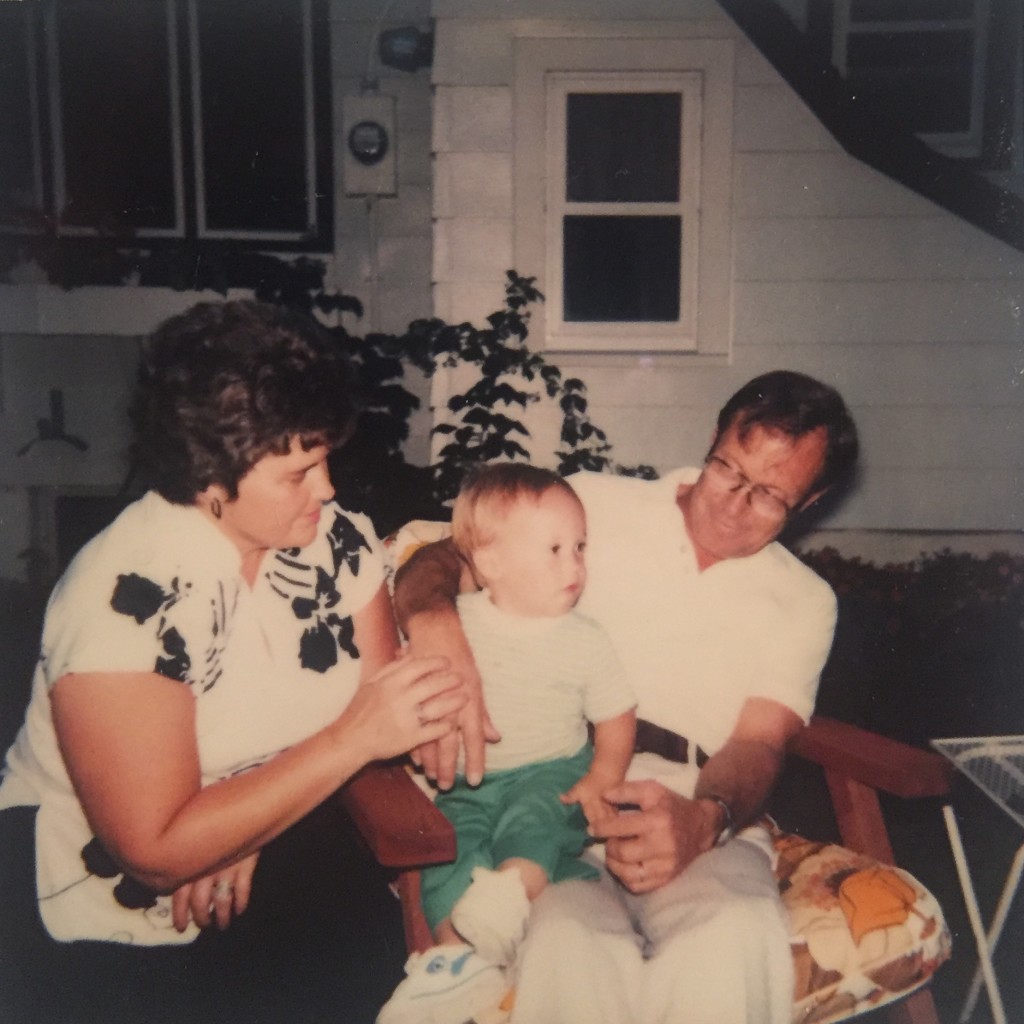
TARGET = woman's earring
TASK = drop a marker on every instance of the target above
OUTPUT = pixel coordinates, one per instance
(215, 508)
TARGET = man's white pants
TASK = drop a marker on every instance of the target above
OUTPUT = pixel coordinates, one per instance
(711, 947)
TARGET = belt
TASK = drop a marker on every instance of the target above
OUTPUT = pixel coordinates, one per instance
(653, 739)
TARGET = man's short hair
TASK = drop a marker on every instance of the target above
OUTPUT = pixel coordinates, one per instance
(487, 495)
(795, 404)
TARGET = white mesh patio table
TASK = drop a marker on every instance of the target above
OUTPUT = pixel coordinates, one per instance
(995, 764)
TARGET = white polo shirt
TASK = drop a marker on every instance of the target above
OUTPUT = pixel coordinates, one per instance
(695, 644)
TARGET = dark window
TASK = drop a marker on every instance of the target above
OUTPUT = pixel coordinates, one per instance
(113, 83)
(910, 10)
(923, 61)
(18, 180)
(622, 147)
(621, 268)
(157, 119)
(253, 116)
(621, 264)
(924, 78)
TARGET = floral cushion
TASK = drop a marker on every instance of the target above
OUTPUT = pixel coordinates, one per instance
(863, 933)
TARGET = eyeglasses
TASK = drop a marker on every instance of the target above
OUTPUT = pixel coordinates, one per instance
(759, 498)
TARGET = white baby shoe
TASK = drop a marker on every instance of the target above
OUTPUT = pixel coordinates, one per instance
(445, 985)
(491, 914)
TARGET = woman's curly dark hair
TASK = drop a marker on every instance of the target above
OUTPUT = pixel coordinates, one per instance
(225, 383)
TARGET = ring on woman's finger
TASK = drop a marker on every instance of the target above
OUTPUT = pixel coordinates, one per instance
(222, 888)
(643, 872)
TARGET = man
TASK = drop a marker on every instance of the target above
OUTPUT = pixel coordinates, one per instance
(724, 634)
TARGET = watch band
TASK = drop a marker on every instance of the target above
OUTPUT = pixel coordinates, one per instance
(728, 829)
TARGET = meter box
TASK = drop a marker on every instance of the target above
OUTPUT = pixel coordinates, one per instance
(368, 146)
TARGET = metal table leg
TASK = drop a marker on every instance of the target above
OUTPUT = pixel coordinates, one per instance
(985, 947)
(996, 928)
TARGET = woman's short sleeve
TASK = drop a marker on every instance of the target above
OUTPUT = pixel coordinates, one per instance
(161, 593)
(139, 606)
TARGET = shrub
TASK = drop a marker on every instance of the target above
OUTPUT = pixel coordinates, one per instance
(928, 648)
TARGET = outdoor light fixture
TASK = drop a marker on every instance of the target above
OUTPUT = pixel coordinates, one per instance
(407, 49)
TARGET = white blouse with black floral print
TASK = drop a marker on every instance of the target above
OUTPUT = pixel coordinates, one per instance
(160, 590)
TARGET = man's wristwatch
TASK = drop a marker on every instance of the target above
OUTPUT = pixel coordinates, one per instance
(728, 829)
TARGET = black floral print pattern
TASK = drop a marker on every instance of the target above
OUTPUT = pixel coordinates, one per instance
(128, 892)
(329, 632)
(313, 594)
(346, 543)
(141, 598)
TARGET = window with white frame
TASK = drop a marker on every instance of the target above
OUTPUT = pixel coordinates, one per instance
(165, 119)
(627, 228)
(925, 60)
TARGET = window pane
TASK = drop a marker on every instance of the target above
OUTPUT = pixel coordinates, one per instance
(254, 117)
(924, 78)
(115, 113)
(910, 10)
(17, 177)
(622, 147)
(621, 268)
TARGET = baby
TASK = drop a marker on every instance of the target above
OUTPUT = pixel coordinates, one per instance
(547, 671)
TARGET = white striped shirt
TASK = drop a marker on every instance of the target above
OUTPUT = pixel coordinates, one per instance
(543, 680)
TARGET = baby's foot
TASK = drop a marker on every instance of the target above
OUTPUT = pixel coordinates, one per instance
(491, 914)
(444, 985)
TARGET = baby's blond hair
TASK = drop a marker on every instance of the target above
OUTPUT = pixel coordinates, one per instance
(489, 493)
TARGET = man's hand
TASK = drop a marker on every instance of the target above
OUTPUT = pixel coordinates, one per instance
(440, 632)
(425, 591)
(657, 837)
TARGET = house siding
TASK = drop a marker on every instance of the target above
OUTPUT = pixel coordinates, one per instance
(837, 271)
(85, 341)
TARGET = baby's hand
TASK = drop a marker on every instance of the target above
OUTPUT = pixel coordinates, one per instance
(587, 793)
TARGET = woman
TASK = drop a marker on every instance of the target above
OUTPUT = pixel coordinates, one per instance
(214, 665)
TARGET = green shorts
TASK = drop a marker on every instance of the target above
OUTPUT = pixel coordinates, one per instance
(514, 813)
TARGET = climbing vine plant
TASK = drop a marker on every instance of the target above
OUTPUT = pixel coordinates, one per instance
(511, 376)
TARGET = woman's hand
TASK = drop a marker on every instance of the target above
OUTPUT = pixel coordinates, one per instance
(217, 898)
(410, 702)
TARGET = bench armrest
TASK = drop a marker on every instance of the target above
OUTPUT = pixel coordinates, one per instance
(398, 821)
(858, 765)
(881, 763)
